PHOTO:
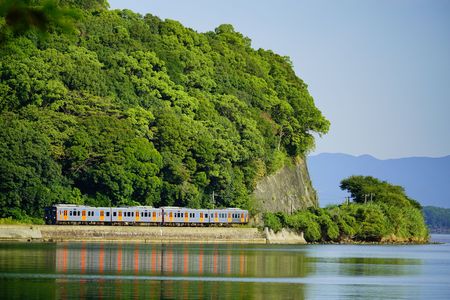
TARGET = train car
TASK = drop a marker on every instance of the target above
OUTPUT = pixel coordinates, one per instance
(228, 216)
(136, 215)
(149, 214)
(218, 216)
(185, 216)
(77, 214)
(236, 215)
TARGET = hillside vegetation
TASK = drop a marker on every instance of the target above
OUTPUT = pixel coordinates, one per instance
(379, 212)
(109, 107)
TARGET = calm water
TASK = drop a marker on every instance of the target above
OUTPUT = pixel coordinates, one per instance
(124, 271)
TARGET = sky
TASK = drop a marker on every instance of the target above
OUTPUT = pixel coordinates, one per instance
(379, 70)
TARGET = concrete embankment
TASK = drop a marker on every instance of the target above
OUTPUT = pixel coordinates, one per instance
(48, 233)
(285, 236)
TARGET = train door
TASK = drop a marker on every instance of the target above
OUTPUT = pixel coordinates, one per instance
(137, 216)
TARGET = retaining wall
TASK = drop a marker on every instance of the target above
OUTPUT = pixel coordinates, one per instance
(131, 233)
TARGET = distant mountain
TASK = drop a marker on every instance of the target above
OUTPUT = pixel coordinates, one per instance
(425, 179)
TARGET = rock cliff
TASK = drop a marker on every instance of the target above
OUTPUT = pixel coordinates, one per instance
(287, 190)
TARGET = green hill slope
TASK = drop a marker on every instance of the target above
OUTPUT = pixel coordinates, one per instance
(116, 108)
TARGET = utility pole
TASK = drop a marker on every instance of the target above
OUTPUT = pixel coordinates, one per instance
(213, 200)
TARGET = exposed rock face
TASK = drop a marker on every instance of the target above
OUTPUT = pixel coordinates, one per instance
(285, 236)
(288, 190)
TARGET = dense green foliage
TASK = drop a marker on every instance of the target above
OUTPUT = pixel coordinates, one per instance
(437, 218)
(129, 109)
(389, 216)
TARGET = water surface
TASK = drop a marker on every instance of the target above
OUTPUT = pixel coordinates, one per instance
(124, 271)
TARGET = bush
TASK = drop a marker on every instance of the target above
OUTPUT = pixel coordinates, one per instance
(272, 221)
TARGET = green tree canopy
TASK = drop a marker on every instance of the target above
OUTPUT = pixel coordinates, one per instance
(127, 109)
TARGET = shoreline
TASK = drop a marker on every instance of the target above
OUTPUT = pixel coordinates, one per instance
(132, 234)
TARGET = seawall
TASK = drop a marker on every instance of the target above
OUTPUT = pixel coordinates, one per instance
(143, 234)
(146, 234)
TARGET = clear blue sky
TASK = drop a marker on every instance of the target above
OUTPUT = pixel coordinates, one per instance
(379, 70)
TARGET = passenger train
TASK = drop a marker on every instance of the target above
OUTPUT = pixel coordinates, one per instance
(143, 215)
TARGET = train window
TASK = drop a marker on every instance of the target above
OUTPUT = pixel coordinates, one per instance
(70, 213)
(114, 213)
(132, 214)
(107, 213)
(206, 215)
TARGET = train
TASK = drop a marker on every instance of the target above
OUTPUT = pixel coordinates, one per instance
(71, 214)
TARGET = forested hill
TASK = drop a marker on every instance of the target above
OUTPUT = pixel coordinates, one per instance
(109, 107)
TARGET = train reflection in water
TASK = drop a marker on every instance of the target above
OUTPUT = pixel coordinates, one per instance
(174, 271)
(149, 260)
(149, 271)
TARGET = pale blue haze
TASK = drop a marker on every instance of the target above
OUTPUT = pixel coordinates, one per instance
(378, 70)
